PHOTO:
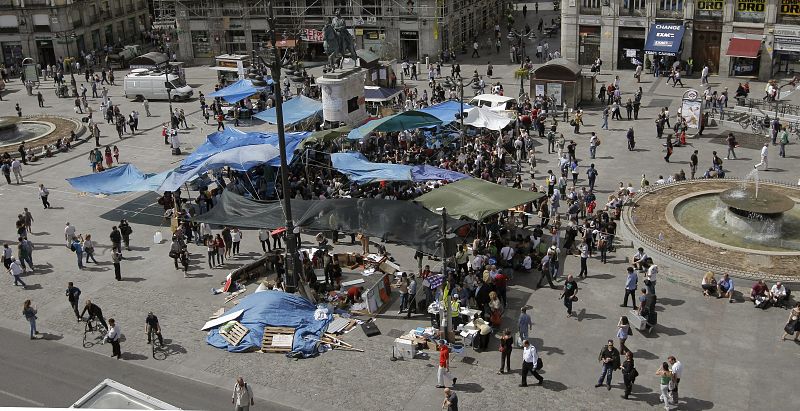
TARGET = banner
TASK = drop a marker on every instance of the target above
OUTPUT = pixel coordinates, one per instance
(312, 35)
(554, 90)
(539, 90)
(691, 108)
(710, 5)
(750, 10)
(790, 7)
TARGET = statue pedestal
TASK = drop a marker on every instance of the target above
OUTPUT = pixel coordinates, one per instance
(343, 96)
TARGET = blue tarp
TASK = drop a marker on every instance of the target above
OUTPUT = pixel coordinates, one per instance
(274, 309)
(295, 110)
(237, 91)
(362, 171)
(380, 94)
(446, 111)
(232, 138)
(123, 179)
(406, 120)
(238, 158)
(664, 38)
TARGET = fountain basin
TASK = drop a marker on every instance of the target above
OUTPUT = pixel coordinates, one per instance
(763, 202)
(23, 130)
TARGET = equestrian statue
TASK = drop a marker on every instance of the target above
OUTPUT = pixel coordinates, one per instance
(338, 42)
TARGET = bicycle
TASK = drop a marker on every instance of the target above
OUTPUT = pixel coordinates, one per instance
(93, 326)
(155, 343)
(755, 123)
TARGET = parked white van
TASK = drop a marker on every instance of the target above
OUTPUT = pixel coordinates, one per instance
(152, 85)
(493, 101)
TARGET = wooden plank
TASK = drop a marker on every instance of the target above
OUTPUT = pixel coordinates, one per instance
(235, 334)
(277, 339)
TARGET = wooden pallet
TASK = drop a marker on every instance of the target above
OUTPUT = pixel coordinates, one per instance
(235, 334)
(277, 339)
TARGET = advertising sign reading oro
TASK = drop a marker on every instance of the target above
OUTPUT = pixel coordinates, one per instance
(790, 7)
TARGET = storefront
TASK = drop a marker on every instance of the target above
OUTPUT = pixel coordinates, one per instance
(46, 52)
(409, 45)
(12, 53)
(707, 35)
(630, 50)
(786, 55)
(589, 44)
(664, 39)
(745, 55)
(372, 40)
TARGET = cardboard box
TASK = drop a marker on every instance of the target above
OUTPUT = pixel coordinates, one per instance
(404, 348)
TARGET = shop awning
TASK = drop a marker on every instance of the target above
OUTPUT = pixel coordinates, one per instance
(664, 39)
(747, 48)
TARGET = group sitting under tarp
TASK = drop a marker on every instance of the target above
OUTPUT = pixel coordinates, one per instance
(406, 120)
(360, 170)
(401, 222)
(275, 309)
(238, 158)
(118, 180)
(295, 110)
(475, 198)
(237, 91)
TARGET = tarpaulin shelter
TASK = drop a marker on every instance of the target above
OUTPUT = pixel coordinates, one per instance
(324, 136)
(231, 137)
(475, 198)
(238, 158)
(362, 171)
(406, 120)
(295, 110)
(446, 111)
(380, 94)
(401, 222)
(123, 179)
(275, 309)
(486, 118)
(237, 91)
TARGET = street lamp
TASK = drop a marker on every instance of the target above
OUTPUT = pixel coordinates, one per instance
(68, 36)
(451, 82)
(521, 37)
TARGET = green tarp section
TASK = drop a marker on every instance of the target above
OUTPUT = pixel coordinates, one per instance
(324, 136)
(475, 198)
(406, 120)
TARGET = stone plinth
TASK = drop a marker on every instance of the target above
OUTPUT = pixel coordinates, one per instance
(343, 97)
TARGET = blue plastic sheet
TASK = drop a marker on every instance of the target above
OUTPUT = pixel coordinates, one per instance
(295, 110)
(123, 179)
(362, 171)
(274, 309)
(446, 111)
(237, 91)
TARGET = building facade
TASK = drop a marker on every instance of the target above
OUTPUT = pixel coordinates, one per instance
(50, 30)
(391, 28)
(735, 38)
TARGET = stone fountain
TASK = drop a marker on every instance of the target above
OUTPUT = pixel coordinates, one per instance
(755, 210)
(9, 130)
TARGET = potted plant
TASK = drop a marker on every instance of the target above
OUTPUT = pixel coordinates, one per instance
(521, 73)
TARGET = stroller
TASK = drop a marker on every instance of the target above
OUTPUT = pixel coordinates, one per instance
(62, 91)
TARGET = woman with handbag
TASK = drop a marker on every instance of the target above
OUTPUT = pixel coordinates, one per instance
(30, 314)
(88, 248)
(664, 377)
(629, 373)
(793, 324)
(506, 345)
(623, 331)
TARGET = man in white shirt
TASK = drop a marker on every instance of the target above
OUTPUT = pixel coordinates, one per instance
(69, 232)
(16, 270)
(527, 263)
(764, 152)
(508, 254)
(16, 168)
(677, 370)
(530, 357)
(477, 263)
(779, 294)
(113, 337)
(640, 259)
(242, 396)
(652, 273)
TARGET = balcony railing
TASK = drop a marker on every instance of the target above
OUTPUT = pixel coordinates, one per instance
(590, 10)
(670, 14)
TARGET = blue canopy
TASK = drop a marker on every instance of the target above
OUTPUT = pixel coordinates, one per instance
(362, 171)
(123, 179)
(295, 110)
(238, 158)
(274, 309)
(231, 137)
(406, 120)
(380, 94)
(237, 91)
(664, 39)
(446, 111)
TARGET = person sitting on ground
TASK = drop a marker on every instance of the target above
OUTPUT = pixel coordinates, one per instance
(726, 289)
(709, 284)
(354, 293)
(779, 294)
(640, 259)
(759, 294)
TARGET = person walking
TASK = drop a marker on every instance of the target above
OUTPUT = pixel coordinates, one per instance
(784, 140)
(764, 162)
(731, 140)
(78, 249)
(444, 365)
(450, 402)
(530, 360)
(570, 294)
(584, 254)
(16, 270)
(609, 358)
(629, 373)
(113, 337)
(116, 259)
(146, 105)
(693, 161)
(126, 231)
(664, 378)
(30, 314)
(88, 248)
(236, 238)
(623, 331)
(16, 168)
(40, 98)
(525, 324)
(116, 239)
(677, 370)
(73, 296)
(631, 283)
(43, 195)
(506, 346)
(242, 397)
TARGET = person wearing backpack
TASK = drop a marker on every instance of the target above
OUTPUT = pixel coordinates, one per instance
(242, 397)
(73, 296)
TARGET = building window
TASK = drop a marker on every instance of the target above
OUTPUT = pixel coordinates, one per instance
(633, 4)
(201, 47)
(670, 5)
(590, 4)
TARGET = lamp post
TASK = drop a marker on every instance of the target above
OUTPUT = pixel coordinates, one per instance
(66, 37)
(451, 82)
(514, 34)
(168, 85)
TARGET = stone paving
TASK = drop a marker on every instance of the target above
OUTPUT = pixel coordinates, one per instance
(731, 352)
